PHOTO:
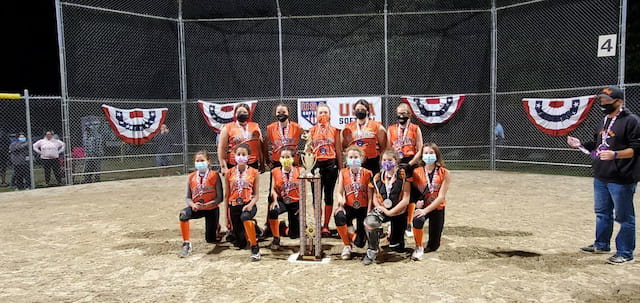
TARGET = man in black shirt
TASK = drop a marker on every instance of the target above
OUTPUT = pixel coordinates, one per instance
(615, 152)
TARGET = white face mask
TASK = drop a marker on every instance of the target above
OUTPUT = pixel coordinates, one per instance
(429, 158)
(201, 165)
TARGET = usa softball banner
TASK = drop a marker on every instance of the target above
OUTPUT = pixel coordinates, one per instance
(341, 110)
(557, 117)
(434, 110)
(135, 126)
(219, 114)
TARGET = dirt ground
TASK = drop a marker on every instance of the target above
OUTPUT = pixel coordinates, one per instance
(508, 237)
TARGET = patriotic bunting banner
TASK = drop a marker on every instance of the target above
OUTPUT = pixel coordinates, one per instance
(434, 110)
(219, 114)
(135, 126)
(557, 117)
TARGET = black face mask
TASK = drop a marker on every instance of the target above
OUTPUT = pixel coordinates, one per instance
(282, 117)
(607, 108)
(361, 114)
(243, 117)
(403, 120)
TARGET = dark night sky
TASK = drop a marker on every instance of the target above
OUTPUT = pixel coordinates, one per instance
(29, 42)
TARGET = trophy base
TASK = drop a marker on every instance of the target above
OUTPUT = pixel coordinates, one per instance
(296, 258)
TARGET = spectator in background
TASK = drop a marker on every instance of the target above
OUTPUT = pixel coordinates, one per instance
(499, 135)
(163, 148)
(94, 149)
(4, 156)
(20, 160)
(49, 150)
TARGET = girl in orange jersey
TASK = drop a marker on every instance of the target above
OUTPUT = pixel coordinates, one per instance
(389, 204)
(406, 139)
(353, 193)
(281, 134)
(327, 146)
(242, 196)
(204, 194)
(367, 134)
(240, 131)
(285, 195)
(432, 182)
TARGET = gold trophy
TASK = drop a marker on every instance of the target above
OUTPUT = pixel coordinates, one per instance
(309, 158)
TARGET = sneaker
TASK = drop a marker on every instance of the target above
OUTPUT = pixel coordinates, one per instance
(409, 231)
(369, 257)
(255, 253)
(417, 253)
(592, 249)
(397, 247)
(616, 260)
(275, 244)
(325, 231)
(346, 253)
(186, 249)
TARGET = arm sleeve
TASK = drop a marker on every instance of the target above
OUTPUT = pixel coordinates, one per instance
(219, 190)
(36, 146)
(634, 135)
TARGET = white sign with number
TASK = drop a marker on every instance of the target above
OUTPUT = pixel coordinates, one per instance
(607, 45)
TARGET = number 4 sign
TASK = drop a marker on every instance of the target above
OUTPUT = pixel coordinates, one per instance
(607, 45)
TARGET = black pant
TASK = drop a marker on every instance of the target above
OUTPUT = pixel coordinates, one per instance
(211, 219)
(350, 213)
(436, 225)
(372, 164)
(49, 165)
(398, 226)
(92, 165)
(291, 209)
(22, 178)
(237, 218)
(328, 179)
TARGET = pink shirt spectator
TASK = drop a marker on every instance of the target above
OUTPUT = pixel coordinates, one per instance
(48, 148)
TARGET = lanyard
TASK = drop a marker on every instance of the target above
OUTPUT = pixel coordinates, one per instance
(356, 181)
(359, 133)
(240, 182)
(388, 185)
(284, 131)
(430, 184)
(288, 180)
(403, 133)
(245, 130)
(605, 133)
(201, 182)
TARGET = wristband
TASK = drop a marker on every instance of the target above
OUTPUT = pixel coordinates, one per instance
(615, 155)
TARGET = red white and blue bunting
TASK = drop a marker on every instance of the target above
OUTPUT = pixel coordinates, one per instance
(219, 114)
(557, 117)
(135, 126)
(434, 110)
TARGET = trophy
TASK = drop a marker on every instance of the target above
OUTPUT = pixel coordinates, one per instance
(310, 215)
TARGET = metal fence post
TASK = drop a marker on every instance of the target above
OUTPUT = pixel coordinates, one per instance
(622, 35)
(64, 94)
(494, 80)
(385, 104)
(183, 89)
(280, 50)
(27, 108)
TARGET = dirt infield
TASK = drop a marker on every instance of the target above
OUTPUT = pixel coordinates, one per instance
(508, 237)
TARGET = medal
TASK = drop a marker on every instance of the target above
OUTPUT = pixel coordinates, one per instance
(323, 150)
(287, 200)
(360, 143)
(356, 204)
(400, 154)
(387, 203)
(239, 201)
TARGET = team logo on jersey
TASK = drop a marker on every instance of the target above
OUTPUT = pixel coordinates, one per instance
(557, 117)
(434, 110)
(219, 114)
(135, 126)
(309, 110)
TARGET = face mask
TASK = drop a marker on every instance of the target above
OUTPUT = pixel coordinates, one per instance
(324, 119)
(282, 117)
(361, 114)
(429, 158)
(607, 108)
(286, 162)
(22, 139)
(201, 165)
(243, 117)
(388, 165)
(354, 163)
(242, 159)
(403, 120)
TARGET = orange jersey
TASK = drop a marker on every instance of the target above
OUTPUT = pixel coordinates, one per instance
(421, 182)
(287, 187)
(203, 188)
(403, 140)
(238, 135)
(279, 138)
(323, 141)
(356, 187)
(366, 138)
(241, 185)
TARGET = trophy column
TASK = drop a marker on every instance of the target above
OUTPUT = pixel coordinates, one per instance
(310, 220)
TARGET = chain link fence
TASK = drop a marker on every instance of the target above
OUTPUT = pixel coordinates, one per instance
(171, 54)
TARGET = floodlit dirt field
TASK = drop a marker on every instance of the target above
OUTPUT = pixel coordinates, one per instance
(508, 237)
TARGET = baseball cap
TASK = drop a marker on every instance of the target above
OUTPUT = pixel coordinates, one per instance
(610, 92)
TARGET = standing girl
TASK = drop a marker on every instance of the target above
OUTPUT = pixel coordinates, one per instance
(367, 134)
(240, 131)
